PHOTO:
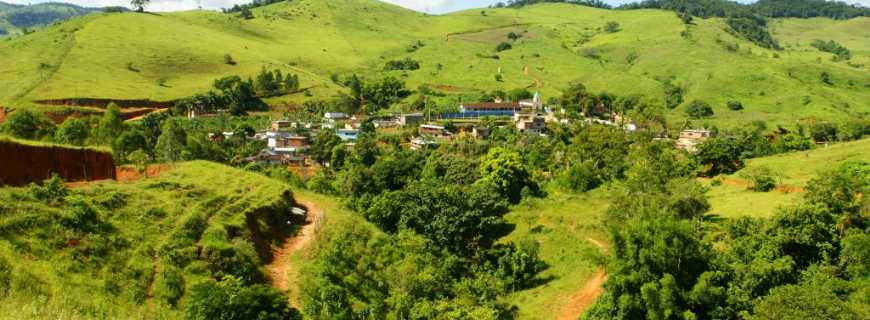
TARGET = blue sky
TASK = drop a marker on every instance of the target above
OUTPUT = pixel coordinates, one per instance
(431, 6)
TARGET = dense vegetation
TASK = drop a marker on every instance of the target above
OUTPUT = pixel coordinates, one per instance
(192, 242)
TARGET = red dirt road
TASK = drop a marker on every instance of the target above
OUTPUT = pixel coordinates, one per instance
(281, 265)
(584, 298)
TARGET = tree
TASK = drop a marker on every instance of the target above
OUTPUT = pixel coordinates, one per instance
(127, 143)
(139, 5)
(111, 124)
(699, 109)
(229, 299)
(798, 302)
(826, 78)
(73, 131)
(719, 155)
(246, 14)
(611, 27)
(735, 105)
(172, 141)
(505, 170)
(25, 124)
(323, 145)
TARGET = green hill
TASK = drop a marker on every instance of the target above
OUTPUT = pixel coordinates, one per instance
(792, 171)
(112, 250)
(172, 55)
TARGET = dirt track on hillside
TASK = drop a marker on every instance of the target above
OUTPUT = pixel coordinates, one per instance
(279, 269)
(587, 295)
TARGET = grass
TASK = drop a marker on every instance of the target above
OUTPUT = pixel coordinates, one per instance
(337, 215)
(5, 138)
(106, 273)
(88, 56)
(793, 170)
(561, 224)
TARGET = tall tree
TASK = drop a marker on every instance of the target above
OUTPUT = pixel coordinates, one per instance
(139, 5)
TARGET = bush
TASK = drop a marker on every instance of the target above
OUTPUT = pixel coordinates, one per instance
(763, 183)
(169, 285)
(824, 132)
(52, 191)
(5, 276)
(699, 109)
(406, 64)
(25, 124)
(81, 215)
(230, 300)
(735, 105)
(73, 131)
(504, 46)
(611, 27)
(581, 177)
(228, 59)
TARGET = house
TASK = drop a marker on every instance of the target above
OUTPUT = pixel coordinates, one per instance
(433, 130)
(379, 124)
(530, 123)
(421, 143)
(332, 117)
(534, 104)
(480, 132)
(282, 125)
(410, 119)
(690, 139)
(347, 134)
(268, 156)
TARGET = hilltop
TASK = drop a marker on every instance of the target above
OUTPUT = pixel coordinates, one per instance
(168, 56)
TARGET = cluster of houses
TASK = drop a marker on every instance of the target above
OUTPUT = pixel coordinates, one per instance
(283, 146)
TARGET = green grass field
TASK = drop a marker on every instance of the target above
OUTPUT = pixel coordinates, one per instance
(561, 224)
(118, 269)
(172, 55)
(792, 170)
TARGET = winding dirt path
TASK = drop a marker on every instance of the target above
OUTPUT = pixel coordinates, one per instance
(281, 265)
(581, 300)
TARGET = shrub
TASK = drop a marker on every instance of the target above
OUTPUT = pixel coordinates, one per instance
(25, 124)
(673, 95)
(699, 109)
(611, 27)
(514, 36)
(230, 300)
(406, 64)
(52, 191)
(763, 183)
(581, 177)
(504, 46)
(5, 276)
(228, 59)
(80, 215)
(169, 285)
(826, 78)
(824, 132)
(735, 105)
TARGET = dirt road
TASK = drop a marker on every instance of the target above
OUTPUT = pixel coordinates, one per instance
(281, 265)
(587, 295)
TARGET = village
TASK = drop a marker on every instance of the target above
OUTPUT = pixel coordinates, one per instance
(288, 142)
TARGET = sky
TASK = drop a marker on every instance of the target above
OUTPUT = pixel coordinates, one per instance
(430, 6)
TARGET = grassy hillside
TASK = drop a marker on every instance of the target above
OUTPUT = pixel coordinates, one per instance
(792, 172)
(172, 55)
(562, 224)
(125, 250)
